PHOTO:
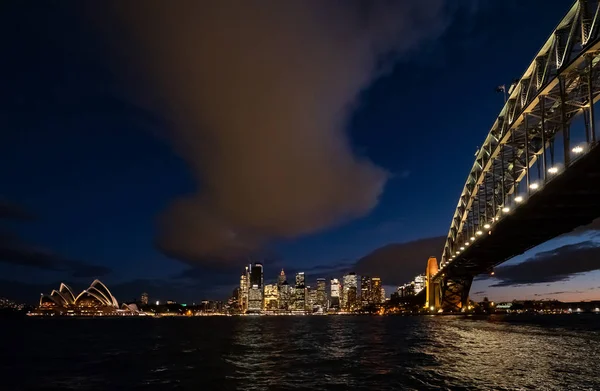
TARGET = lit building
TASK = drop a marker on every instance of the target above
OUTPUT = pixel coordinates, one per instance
(243, 292)
(281, 278)
(300, 280)
(285, 296)
(255, 290)
(95, 300)
(255, 299)
(311, 298)
(144, 298)
(419, 283)
(321, 299)
(349, 288)
(299, 298)
(375, 293)
(365, 290)
(335, 293)
(271, 297)
(257, 275)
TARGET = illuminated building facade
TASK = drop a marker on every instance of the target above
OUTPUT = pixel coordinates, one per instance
(349, 289)
(365, 290)
(285, 296)
(375, 294)
(271, 295)
(255, 290)
(335, 293)
(281, 278)
(300, 293)
(244, 290)
(321, 299)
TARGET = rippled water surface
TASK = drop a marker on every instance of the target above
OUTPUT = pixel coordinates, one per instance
(302, 353)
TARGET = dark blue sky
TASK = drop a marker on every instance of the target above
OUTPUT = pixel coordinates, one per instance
(96, 167)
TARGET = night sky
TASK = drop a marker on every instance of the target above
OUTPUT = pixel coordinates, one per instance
(159, 148)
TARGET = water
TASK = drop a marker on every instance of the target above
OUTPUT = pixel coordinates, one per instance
(302, 353)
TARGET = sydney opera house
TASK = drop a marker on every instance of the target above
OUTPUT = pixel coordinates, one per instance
(95, 300)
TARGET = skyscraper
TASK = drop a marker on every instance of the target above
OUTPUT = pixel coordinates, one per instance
(285, 296)
(144, 298)
(271, 297)
(365, 290)
(255, 291)
(281, 278)
(244, 289)
(335, 293)
(321, 298)
(375, 290)
(300, 279)
(257, 275)
(349, 284)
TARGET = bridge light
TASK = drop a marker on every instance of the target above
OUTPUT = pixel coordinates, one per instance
(518, 199)
(472, 237)
(432, 308)
(462, 248)
(479, 233)
(553, 170)
(458, 252)
(506, 209)
(577, 149)
(534, 186)
(486, 226)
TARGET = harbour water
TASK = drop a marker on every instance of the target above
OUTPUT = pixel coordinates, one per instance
(547, 352)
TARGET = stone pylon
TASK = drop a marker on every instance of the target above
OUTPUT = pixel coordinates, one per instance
(434, 291)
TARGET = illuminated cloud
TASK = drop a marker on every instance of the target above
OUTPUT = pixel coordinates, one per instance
(258, 95)
(551, 266)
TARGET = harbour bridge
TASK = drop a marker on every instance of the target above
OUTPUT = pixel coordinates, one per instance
(537, 174)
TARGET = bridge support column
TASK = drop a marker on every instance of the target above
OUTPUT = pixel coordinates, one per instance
(433, 289)
(455, 293)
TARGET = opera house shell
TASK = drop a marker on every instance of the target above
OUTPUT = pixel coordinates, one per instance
(95, 300)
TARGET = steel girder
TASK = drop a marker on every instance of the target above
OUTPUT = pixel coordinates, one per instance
(562, 81)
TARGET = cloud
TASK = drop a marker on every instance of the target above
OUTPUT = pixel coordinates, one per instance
(13, 251)
(399, 263)
(258, 95)
(551, 266)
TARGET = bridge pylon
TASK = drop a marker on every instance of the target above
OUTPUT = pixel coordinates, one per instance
(433, 300)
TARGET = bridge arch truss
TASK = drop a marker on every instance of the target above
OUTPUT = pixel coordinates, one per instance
(561, 83)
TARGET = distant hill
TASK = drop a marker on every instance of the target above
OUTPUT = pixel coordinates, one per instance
(398, 263)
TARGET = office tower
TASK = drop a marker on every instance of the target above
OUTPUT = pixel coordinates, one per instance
(144, 298)
(365, 290)
(285, 293)
(281, 278)
(255, 299)
(300, 279)
(349, 287)
(335, 293)
(382, 294)
(257, 275)
(375, 290)
(271, 297)
(311, 298)
(300, 298)
(244, 290)
(255, 290)
(321, 293)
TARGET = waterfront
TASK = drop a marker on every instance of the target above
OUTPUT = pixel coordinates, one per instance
(555, 352)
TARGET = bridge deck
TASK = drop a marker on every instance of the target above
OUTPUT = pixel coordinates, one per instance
(569, 200)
